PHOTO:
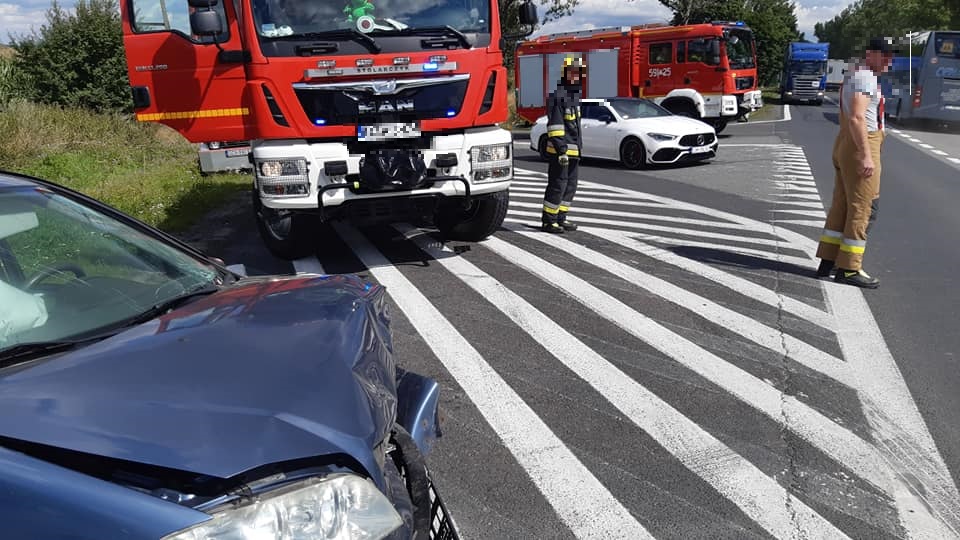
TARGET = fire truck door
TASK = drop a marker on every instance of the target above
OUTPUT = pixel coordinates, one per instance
(658, 80)
(191, 83)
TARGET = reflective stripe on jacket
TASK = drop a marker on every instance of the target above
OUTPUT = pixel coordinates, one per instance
(563, 122)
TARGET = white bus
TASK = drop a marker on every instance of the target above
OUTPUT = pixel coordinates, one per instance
(927, 86)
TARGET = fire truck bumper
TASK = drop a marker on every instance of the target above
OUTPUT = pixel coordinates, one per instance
(298, 175)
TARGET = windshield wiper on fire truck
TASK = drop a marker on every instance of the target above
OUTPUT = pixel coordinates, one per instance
(341, 33)
(445, 30)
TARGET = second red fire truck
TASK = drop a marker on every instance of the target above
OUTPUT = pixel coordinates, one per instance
(704, 71)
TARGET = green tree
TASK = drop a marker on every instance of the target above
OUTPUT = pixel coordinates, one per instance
(847, 32)
(77, 59)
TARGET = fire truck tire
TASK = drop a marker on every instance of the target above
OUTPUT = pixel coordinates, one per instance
(719, 126)
(542, 148)
(633, 155)
(682, 108)
(482, 219)
(288, 236)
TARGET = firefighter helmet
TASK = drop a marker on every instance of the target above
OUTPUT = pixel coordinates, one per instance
(573, 63)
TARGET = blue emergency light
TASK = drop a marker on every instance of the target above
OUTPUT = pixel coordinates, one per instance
(451, 112)
(431, 66)
(320, 122)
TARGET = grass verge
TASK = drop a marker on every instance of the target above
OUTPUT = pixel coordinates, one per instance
(145, 170)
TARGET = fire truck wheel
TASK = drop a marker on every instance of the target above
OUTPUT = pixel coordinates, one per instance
(632, 153)
(482, 219)
(719, 126)
(288, 235)
(542, 148)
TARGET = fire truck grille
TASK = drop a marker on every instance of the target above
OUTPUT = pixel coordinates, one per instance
(336, 106)
(806, 86)
(695, 140)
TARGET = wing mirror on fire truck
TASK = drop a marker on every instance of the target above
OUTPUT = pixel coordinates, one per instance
(528, 14)
(206, 22)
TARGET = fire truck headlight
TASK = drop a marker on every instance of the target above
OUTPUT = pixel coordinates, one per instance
(491, 162)
(661, 137)
(283, 178)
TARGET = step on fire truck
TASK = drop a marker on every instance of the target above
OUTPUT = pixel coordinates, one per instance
(704, 71)
(354, 110)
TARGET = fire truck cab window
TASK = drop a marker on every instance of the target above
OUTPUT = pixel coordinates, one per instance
(278, 18)
(172, 16)
(661, 53)
(698, 50)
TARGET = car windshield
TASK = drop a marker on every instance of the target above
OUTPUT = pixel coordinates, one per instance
(68, 271)
(638, 108)
(740, 54)
(278, 18)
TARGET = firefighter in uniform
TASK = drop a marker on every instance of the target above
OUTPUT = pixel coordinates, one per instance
(563, 147)
(856, 162)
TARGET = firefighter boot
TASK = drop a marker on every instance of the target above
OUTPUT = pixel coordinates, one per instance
(856, 277)
(565, 223)
(826, 266)
(548, 223)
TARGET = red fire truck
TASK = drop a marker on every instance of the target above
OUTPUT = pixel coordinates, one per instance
(704, 71)
(354, 110)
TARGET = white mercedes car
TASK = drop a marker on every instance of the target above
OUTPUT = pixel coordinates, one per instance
(636, 132)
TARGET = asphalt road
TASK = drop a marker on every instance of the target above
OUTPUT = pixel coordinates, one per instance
(913, 251)
(673, 369)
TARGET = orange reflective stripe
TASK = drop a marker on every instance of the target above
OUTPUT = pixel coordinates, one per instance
(187, 115)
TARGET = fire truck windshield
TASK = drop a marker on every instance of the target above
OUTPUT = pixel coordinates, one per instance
(740, 50)
(281, 18)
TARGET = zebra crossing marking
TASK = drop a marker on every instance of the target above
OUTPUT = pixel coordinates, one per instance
(580, 500)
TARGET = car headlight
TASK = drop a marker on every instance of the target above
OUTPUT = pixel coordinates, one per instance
(491, 152)
(334, 507)
(661, 136)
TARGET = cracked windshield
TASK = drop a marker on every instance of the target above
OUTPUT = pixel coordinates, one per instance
(278, 18)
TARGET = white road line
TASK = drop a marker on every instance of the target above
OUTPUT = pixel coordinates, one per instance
(804, 222)
(762, 499)
(786, 112)
(758, 253)
(924, 145)
(797, 187)
(939, 152)
(955, 160)
(649, 227)
(737, 284)
(772, 339)
(911, 139)
(890, 393)
(670, 219)
(892, 413)
(802, 196)
(802, 204)
(807, 213)
(308, 265)
(585, 196)
(579, 499)
(837, 442)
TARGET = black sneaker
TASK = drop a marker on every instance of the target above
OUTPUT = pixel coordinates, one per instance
(567, 226)
(554, 228)
(856, 277)
(825, 268)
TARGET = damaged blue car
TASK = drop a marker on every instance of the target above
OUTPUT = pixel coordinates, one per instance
(149, 392)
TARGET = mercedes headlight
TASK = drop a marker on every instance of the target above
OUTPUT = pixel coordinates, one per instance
(662, 137)
(338, 506)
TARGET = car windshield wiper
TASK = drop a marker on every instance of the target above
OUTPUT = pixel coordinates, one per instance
(445, 30)
(163, 307)
(342, 33)
(22, 352)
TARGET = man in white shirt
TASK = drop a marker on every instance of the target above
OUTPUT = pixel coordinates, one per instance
(856, 162)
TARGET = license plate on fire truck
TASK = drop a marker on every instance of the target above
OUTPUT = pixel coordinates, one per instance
(379, 132)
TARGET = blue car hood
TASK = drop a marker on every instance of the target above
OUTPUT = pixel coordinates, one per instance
(259, 373)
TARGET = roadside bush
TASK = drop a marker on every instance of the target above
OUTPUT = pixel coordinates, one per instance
(76, 60)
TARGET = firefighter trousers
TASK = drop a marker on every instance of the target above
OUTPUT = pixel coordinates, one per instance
(561, 188)
(855, 204)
